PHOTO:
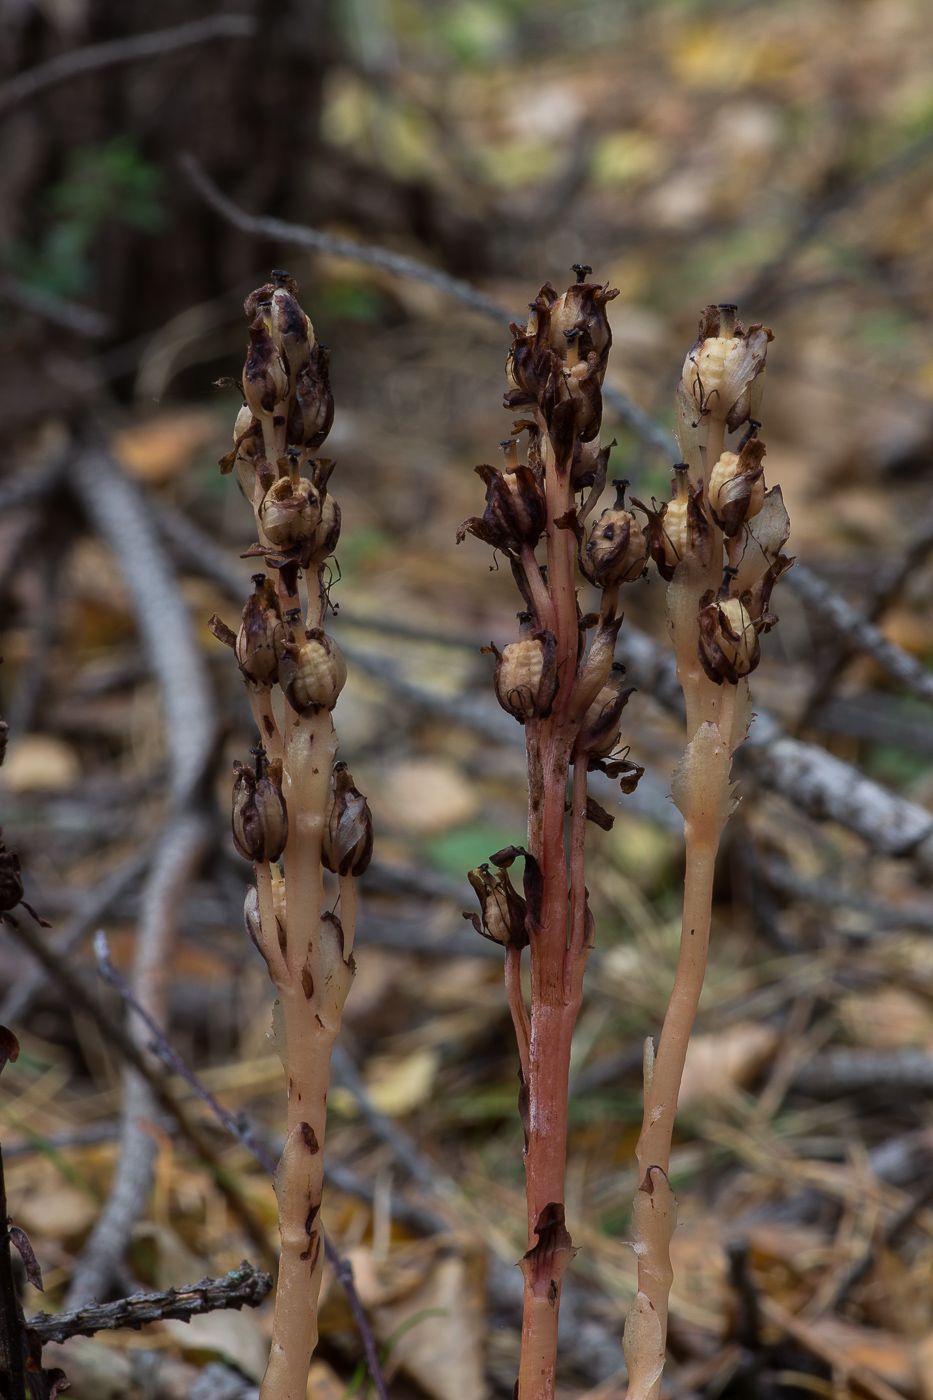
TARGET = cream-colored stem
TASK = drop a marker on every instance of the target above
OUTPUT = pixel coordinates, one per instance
(715, 442)
(704, 802)
(313, 981)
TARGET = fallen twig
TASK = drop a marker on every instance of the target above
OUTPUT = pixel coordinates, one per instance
(843, 1365)
(94, 905)
(246, 1286)
(843, 1071)
(175, 861)
(116, 51)
(861, 634)
(299, 235)
(80, 998)
(71, 316)
(119, 512)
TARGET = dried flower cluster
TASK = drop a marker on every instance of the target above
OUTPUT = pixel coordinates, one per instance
(296, 811)
(718, 542)
(569, 695)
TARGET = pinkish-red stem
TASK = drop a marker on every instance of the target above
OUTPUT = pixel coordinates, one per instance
(557, 956)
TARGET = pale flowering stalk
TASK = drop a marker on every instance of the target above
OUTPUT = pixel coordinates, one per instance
(295, 810)
(718, 544)
(570, 699)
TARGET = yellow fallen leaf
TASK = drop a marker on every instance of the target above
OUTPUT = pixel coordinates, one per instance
(40, 763)
(399, 1084)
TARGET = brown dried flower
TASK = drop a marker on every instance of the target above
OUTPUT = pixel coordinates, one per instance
(260, 817)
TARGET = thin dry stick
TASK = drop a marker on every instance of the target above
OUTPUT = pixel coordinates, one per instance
(79, 998)
(300, 236)
(70, 315)
(861, 634)
(163, 901)
(718, 543)
(119, 512)
(246, 1286)
(296, 803)
(570, 701)
(116, 51)
(92, 908)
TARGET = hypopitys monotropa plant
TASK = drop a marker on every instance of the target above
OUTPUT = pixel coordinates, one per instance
(569, 696)
(718, 543)
(296, 811)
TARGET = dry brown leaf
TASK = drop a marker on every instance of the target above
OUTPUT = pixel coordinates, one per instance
(887, 1018)
(889, 1356)
(323, 1382)
(725, 1060)
(427, 796)
(156, 451)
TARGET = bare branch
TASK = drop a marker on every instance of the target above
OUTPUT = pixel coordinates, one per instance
(116, 51)
(301, 236)
(298, 235)
(71, 316)
(859, 632)
(174, 864)
(93, 907)
(119, 512)
(246, 1286)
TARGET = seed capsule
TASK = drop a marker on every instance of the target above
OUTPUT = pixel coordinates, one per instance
(502, 909)
(678, 527)
(723, 372)
(736, 490)
(602, 725)
(255, 643)
(347, 846)
(265, 378)
(312, 672)
(323, 540)
(515, 513)
(617, 551)
(260, 817)
(290, 511)
(728, 646)
(311, 416)
(526, 674)
(291, 330)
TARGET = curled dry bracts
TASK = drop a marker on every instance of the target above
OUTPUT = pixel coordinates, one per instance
(526, 672)
(502, 909)
(617, 550)
(347, 846)
(602, 725)
(506, 917)
(255, 643)
(515, 509)
(260, 817)
(723, 374)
